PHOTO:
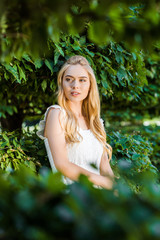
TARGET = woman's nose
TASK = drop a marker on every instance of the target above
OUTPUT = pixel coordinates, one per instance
(75, 84)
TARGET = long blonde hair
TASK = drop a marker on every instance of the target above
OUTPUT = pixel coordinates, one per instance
(90, 106)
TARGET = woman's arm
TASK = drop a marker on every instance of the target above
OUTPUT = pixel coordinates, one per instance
(56, 140)
(105, 168)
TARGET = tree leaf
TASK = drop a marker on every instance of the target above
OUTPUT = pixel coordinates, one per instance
(49, 63)
(44, 85)
(59, 49)
(56, 56)
(21, 73)
(38, 63)
(13, 71)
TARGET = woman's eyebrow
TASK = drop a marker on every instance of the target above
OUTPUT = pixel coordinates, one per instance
(69, 76)
(73, 77)
(83, 77)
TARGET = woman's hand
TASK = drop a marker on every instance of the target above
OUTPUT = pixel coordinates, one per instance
(106, 182)
(102, 181)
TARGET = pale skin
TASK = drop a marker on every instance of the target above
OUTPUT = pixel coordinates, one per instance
(75, 79)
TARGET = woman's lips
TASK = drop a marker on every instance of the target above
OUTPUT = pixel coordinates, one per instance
(75, 93)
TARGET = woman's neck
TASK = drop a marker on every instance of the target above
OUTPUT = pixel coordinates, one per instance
(76, 109)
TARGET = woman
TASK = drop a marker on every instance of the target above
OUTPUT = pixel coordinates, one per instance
(73, 131)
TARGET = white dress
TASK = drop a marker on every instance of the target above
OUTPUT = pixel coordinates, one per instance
(88, 151)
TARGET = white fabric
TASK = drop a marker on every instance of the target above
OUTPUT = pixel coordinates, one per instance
(88, 151)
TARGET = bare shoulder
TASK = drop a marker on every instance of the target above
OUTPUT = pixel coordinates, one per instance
(53, 113)
(53, 123)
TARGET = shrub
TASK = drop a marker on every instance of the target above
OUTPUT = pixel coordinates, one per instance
(40, 206)
(131, 157)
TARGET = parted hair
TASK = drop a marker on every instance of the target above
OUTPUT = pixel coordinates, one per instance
(90, 107)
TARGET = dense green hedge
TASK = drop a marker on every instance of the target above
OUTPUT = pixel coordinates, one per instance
(151, 133)
(121, 75)
(41, 207)
(124, 78)
(14, 151)
(131, 154)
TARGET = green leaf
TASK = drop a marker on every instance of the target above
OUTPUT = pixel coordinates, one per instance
(6, 138)
(135, 156)
(56, 56)
(44, 85)
(59, 49)
(119, 48)
(49, 63)
(31, 165)
(2, 115)
(89, 52)
(27, 66)
(107, 59)
(76, 47)
(21, 73)
(27, 58)
(9, 110)
(13, 71)
(121, 74)
(38, 63)
(9, 167)
(2, 165)
(134, 56)
(105, 85)
(110, 69)
(119, 57)
(4, 144)
(15, 143)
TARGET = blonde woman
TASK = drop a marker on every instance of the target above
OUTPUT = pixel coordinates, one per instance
(73, 131)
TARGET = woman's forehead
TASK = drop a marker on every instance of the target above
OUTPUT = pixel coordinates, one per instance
(76, 71)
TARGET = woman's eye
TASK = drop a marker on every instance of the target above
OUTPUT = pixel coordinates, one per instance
(82, 80)
(67, 79)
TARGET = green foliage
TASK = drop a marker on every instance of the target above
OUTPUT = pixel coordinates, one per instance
(131, 157)
(123, 73)
(34, 147)
(138, 106)
(153, 134)
(131, 154)
(124, 78)
(7, 109)
(149, 132)
(41, 207)
(121, 76)
(15, 150)
(26, 26)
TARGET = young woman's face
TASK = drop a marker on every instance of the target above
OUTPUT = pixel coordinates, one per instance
(76, 83)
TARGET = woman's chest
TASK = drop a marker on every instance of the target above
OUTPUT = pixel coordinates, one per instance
(83, 123)
(89, 150)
